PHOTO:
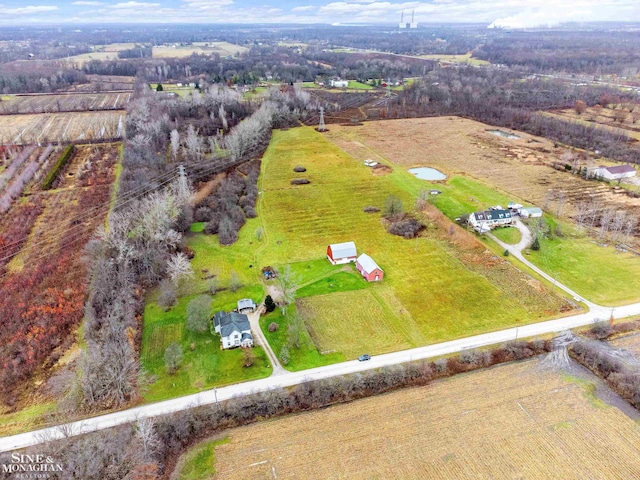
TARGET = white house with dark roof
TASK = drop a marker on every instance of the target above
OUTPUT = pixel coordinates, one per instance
(615, 173)
(486, 220)
(234, 329)
(339, 253)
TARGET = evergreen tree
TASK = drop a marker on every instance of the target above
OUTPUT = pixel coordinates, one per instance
(269, 304)
(536, 244)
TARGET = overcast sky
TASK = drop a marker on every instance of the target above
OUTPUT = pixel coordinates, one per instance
(509, 13)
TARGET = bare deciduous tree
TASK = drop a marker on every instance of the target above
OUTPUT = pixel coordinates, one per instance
(179, 267)
(175, 143)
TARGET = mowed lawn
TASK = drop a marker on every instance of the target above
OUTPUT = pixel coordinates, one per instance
(429, 295)
(601, 274)
(207, 365)
(510, 235)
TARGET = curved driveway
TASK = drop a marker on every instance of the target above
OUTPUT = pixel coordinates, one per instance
(286, 379)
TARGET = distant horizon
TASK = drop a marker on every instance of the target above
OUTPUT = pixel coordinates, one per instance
(512, 15)
(114, 23)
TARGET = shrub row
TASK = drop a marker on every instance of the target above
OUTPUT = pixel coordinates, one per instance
(57, 167)
(604, 330)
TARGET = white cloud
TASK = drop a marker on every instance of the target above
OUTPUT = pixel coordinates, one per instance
(508, 13)
(134, 5)
(29, 10)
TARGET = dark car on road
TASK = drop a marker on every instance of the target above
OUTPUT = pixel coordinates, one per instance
(364, 357)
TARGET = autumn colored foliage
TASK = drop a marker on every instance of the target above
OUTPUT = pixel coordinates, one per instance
(15, 229)
(43, 297)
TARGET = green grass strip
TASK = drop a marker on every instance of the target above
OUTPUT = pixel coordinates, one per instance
(57, 168)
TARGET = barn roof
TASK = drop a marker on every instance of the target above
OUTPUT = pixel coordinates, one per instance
(367, 263)
(619, 169)
(343, 250)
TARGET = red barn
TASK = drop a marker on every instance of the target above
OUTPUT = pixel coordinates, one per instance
(369, 269)
(342, 253)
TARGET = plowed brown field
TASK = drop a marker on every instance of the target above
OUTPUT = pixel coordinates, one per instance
(515, 421)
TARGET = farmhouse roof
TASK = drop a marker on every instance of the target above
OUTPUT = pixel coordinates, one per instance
(246, 336)
(230, 322)
(343, 250)
(367, 263)
(246, 303)
(492, 214)
(619, 169)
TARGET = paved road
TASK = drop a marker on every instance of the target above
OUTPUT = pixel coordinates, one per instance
(285, 379)
(294, 378)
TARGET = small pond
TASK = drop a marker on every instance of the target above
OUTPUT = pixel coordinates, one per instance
(502, 134)
(426, 173)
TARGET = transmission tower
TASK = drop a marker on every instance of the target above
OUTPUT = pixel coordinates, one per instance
(183, 183)
(322, 127)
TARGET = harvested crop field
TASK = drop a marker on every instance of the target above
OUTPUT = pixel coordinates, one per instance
(199, 48)
(630, 343)
(521, 167)
(65, 103)
(512, 421)
(61, 127)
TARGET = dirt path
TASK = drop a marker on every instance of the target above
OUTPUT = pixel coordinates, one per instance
(254, 321)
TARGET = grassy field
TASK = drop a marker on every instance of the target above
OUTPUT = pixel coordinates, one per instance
(601, 274)
(308, 355)
(183, 91)
(433, 293)
(26, 419)
(436, 288)
(369, 321)
(255, 93)
(486, 170)
(204, 367)
(355, 85)
(465, 59)
(512, 421)
(199, 462)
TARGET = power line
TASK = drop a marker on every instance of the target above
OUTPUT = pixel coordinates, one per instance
(78, 231)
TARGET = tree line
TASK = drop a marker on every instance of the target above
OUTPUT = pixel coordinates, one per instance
(502, 98)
